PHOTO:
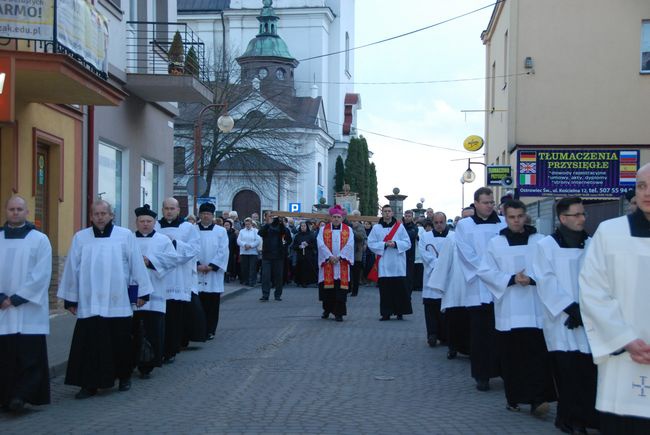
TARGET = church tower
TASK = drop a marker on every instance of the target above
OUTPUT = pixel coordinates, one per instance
(267, 56)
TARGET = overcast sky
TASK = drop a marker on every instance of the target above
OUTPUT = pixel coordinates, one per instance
(427, 113)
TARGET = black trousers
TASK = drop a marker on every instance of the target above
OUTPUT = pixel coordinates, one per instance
(24, 370)
(394, 297)
(356, 277)
(211, 303)
(613, 424)
(525, 366)
(100, 352)
(272, 272)
(194, 321)
(576, 377)
(334, 299)
(248, 265)
(458, 329)
(432, 316)
(152, 323)
(173, 327)
(484, 356)
(418, 279)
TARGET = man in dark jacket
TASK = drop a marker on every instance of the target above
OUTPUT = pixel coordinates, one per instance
(412, 230)
(275, 236)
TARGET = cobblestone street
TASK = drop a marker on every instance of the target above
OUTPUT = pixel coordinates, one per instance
(277, 367)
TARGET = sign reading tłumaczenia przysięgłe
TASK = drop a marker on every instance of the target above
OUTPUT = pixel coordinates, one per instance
(562, 172)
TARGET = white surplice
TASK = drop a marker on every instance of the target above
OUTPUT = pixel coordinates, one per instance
(429, 248)
(614, 302)
(471, 242)
(346, 252)
(181, 281)
(214, 250)
(25, 270)
(515, 306)
(98, 271)
(556, 270)
(160, 252)
(393, 260)
(447, 277)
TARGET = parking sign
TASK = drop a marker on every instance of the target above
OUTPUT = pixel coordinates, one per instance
(294, 207)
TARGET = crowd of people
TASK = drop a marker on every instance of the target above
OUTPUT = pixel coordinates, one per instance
(558, 317)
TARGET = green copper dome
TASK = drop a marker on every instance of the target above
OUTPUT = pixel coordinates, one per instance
(267, 43)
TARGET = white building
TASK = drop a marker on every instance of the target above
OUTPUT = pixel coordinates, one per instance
(310, 29)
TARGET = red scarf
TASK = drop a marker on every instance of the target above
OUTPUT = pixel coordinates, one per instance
(328, 268)
(373, 275)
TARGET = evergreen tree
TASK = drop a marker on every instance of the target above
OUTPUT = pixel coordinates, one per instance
(364, 190)
(373, 197)
(339, 174)
(353, 165)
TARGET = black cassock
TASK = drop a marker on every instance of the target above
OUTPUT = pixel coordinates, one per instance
(24, 370)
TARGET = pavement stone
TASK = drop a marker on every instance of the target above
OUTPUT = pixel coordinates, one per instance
(278, 368)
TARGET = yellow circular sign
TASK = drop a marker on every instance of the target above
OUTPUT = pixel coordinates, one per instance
(473, 143)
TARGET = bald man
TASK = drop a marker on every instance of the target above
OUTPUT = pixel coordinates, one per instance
(614, 301)
(25, 271)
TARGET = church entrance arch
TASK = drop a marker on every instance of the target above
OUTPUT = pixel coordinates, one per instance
(245, 203)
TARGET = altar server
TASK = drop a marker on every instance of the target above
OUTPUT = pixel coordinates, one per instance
(181, 282)
(159, 257)
(101, 264)
(335, 255)
(614, 301)
(25, 271)
(211, 266)
(557, 265)
(507, 271)
(389, 241)
(472, 236)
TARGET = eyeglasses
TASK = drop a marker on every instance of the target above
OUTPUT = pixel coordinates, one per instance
(575, 214)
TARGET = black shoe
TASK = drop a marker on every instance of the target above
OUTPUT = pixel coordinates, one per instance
(125, 385)
(169, 360)
(353, 294)
(325, 315)
(16, 404)
(563, 427)
(278, 298)
(513, 407)
(483, 385)
(452, 354)
(85, 393)
(210, 337)
(384, 318)
(264, 299)
(400, 317)
(432, 340)
(339, 318)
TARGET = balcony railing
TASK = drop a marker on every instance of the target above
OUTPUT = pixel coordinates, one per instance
(149, 45)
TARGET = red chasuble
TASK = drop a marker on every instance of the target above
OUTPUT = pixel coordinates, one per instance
(328, 268)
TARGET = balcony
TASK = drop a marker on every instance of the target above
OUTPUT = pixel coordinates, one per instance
(162, 69)
(66, 66)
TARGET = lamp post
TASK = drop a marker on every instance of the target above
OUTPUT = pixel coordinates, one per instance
(225, 123)
(469, 175)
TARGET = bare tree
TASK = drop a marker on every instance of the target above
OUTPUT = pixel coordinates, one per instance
(264, 141)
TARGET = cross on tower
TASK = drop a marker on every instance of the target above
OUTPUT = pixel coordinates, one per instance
(642, 386)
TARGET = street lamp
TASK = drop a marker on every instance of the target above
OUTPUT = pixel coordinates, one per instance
(469, 175)
(225, 123)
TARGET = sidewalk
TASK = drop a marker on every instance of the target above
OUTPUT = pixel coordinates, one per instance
(62, 326)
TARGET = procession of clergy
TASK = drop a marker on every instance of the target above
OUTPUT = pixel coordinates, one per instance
(559, 318)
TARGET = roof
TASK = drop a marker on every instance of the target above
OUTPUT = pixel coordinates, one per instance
(252, 160)
(194, 6)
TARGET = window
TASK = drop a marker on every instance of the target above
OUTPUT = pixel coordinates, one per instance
(492, 86)
(149, 184)
(645, 46)
(505, 60)
(320, 174)
(109, 178)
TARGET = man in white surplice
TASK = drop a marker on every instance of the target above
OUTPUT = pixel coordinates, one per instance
(557, 265)
(102, 262)
(394, 297)
(614, 302)
(159, 257)
(472, 236)
(335, 244)
(211, 266)
(25, 271)
(181, 281)
(507, 271)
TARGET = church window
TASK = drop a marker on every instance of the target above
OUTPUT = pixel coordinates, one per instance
(320, 174)
(279, 73)
(347, 53)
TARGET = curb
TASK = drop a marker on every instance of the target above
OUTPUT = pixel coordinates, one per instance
(60, 368)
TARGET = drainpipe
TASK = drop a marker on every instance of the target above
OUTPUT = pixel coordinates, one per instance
(90, 166)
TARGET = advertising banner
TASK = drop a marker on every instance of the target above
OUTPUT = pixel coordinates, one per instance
(587, 173)
(83, 30)
(27, 19)
(496, 173)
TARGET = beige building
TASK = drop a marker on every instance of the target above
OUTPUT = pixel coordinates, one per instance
(570, 76)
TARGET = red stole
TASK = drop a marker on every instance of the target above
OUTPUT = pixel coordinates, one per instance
(373, 275)
(328, 268)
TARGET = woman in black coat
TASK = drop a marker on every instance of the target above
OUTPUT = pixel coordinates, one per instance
(233, 266)
(304, 243)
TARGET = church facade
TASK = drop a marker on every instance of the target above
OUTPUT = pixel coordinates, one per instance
(309, 102)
